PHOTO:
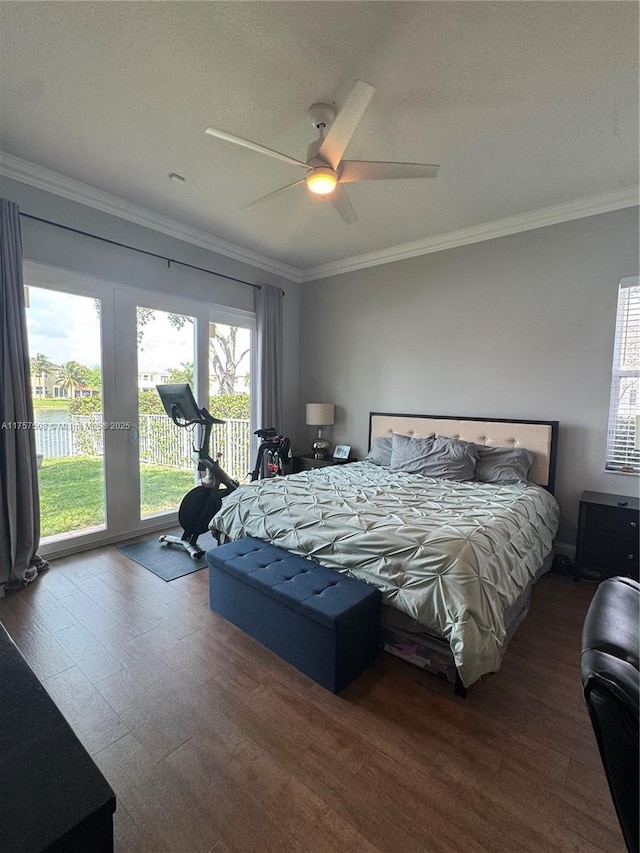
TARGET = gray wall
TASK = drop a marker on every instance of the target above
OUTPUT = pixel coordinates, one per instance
(517, 327)
(48, 245)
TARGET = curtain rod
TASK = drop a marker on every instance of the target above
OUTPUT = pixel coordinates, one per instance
(141, 251)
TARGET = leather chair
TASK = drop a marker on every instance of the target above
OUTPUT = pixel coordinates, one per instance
(610, 641)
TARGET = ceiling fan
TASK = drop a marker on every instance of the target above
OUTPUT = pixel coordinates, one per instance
(326, 171)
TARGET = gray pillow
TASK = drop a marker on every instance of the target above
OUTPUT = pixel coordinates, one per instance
(410, 454)
(451, 458)
(380, 453)
(435, 456)
(503, 464)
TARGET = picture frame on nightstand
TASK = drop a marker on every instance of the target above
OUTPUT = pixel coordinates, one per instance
(342, 452)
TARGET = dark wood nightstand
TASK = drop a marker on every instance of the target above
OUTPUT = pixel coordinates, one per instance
(607, 536)
(308, 462)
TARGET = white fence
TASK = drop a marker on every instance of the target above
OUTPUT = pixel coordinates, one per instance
(80, 435)
(161, 442)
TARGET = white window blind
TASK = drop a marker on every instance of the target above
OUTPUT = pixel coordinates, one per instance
(625, 381)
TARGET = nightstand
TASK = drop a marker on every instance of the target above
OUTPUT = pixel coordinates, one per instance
(308, 462)
(607, 536)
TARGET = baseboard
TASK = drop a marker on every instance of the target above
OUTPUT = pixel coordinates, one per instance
(77, 544)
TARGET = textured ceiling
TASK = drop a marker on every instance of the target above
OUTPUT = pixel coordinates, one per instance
(524, 105)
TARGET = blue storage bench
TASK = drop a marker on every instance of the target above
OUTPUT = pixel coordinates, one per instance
(319, 620)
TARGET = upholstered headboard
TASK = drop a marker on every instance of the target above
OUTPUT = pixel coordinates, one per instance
(541, 437)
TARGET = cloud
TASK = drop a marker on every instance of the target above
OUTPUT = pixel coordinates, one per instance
(63, 327)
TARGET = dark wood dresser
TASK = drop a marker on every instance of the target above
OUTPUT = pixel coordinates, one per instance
(54, 798)
(607, 536)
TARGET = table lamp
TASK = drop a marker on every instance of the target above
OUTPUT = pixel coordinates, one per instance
(320, 414)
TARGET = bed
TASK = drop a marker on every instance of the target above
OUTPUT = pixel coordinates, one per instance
(455, 558)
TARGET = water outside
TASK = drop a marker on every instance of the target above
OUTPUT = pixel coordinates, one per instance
(50, 416)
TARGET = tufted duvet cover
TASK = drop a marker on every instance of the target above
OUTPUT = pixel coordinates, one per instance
(451, 555)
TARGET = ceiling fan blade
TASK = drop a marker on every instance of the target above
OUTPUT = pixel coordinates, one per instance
(253, 146)
(339, 135)
(252, 204)
(371, 170)
(340, 200)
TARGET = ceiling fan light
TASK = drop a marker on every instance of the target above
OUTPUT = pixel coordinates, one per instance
(322, 180)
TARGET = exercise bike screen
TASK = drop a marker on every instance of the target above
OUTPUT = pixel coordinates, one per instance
(181, 396)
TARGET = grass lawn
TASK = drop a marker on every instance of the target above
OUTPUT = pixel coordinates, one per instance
(50, 403)
(72, 492)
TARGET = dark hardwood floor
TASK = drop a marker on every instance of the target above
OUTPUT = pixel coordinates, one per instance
(211, 742)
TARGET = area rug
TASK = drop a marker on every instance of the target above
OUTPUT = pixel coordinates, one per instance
(167, 561)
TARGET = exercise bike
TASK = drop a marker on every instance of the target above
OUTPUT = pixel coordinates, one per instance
(198, 506)
(273, 454)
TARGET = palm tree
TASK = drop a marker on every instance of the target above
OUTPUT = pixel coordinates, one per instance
(40, 368)
(71, 375)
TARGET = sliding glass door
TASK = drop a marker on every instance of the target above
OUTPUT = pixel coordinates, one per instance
(64, 333)
(112, 463)
(183, 347)
(230, 355)
(166, 354)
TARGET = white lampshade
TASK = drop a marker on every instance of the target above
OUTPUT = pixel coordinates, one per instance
(636, 443)
(320, 414)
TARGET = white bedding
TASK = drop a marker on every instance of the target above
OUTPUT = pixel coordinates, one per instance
(451, 555)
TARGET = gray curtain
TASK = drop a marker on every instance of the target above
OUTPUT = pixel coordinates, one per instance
(19, 500)
(268, 302)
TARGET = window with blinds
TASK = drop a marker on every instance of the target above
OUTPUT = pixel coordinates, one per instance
(622, 454)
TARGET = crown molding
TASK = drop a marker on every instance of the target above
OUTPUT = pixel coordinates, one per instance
(528, 221)
(60, 185)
